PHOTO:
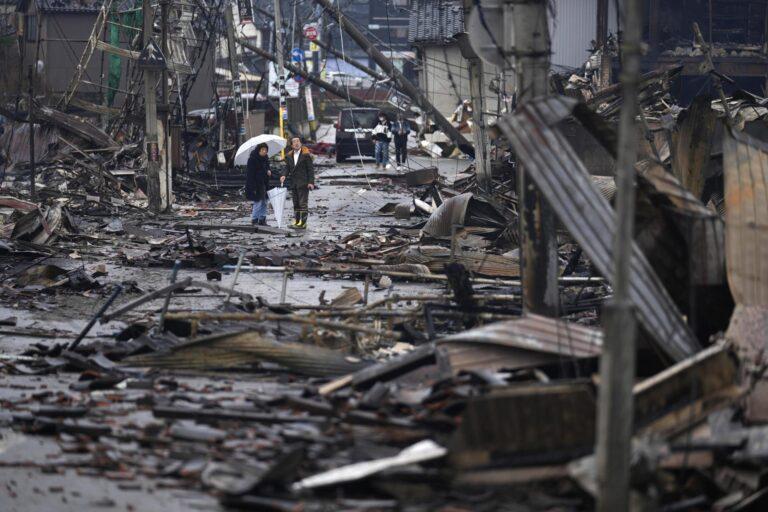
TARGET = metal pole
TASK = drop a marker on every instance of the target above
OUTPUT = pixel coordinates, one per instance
(279, 52)
(30, 109)
(234, 279)
(98, 314)
(617, 362)
(235, 73)
(174, 273)
(538, 242)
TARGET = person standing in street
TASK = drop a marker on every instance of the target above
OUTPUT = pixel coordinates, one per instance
(299, 167)
(401, 130)
(382, 135)
(257, 173)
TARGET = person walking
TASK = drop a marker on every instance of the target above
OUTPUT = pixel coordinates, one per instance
(299, 167)
(257, 173)
(382, 135)
(401, 129)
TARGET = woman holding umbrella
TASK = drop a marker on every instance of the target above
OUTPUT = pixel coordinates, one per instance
(257, 175)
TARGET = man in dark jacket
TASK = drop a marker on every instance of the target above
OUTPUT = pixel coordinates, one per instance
(257, 175)
(299, 167)
(401, 130)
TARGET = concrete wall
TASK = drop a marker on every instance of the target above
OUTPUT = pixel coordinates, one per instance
(445, 79)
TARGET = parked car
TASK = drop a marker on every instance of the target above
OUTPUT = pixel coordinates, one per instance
(353, 132)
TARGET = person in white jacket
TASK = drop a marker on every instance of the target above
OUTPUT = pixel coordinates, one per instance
(382, 134)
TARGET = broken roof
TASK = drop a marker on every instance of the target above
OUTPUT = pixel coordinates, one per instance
(435, 21)
(64, 6)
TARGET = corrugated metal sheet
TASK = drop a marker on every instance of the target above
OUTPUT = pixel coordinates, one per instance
(527, 341)
(489, 265)
(745, 167)
(241, 348)
(573, 26)
(562, 178)
(464, 210)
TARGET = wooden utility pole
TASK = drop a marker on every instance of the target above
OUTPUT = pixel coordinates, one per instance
(617, 362)
(152, 150)
(529, 44)
(280, 52)
(30, 112)
(234, 73)
(477, 90)
(403, 83)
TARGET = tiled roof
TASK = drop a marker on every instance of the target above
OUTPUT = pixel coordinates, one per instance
(435, 21)
(82, 6)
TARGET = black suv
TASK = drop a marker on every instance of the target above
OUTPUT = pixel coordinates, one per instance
(353, 132)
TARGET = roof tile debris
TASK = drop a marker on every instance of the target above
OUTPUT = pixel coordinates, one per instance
(435, 21)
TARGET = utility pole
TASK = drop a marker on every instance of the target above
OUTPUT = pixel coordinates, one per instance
(477, 89)
(279, 52)
(529, 44)
(30, 113)
(148, 62)
(617, 362)
(166, 173)
(403, 83)
(235, 73)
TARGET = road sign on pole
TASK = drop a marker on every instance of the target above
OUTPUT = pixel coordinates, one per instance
(310, 32)
(297, 57)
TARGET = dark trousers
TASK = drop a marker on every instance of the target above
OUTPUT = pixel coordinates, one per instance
(300, 195)
(401, 150)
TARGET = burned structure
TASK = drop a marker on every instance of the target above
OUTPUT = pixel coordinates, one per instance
(158, 349)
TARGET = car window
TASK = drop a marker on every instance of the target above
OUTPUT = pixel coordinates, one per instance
(358, 118)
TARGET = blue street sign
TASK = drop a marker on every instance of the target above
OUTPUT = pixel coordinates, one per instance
(297, 56)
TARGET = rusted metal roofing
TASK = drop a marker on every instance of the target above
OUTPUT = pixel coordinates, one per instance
(527, 341)
(699, 226)
(563, 179)
(745, 167)
(484, 264)
(464, 210)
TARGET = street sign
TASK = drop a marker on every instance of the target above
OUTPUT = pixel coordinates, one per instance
(292, 87)
(151, 57)
(310, 32)
(310, 105)
(485, 26)
(400, 101)
(297, 57)
(314, 47)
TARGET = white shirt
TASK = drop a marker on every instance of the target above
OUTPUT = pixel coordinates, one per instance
(296, 157)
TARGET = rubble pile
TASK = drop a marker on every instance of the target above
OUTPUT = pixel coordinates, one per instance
(398, 370)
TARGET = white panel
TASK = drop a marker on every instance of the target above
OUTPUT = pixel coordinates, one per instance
(573, 28)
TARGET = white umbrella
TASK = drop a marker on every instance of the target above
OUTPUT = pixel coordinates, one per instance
(275, 144)
(277, 199)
